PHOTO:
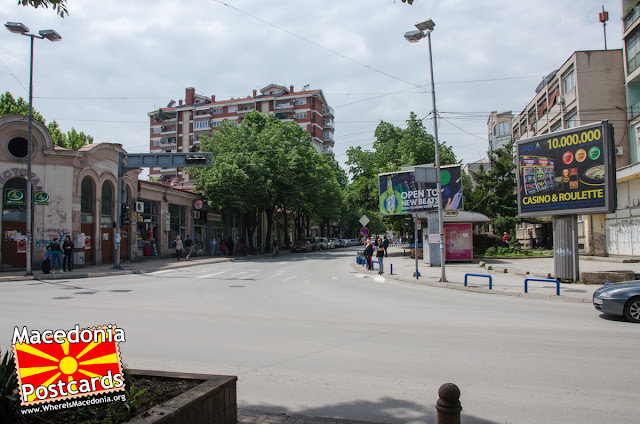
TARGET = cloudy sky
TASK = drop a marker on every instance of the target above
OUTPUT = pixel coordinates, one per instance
(120, 59)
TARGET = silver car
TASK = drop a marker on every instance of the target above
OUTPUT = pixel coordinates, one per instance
(621, 299)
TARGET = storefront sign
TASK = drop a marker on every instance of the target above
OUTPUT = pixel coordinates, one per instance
(19, 172)
(40, 198)
(401, 194)
(214, 216)
(567, 172)
(14, 196)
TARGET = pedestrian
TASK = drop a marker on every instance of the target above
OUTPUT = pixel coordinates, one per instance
(188, 246)
(223, 247)
(67, 249)
(380, 251)
(368, 252)
(505, 239)
(56, 255)
(230, 246)
(532, 242)
(213, 245)
(275, 247)
(178, 247)
(385, 245)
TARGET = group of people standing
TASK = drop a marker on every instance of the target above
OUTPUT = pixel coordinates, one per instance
(379, 248)
(187, 245)
(62, 255)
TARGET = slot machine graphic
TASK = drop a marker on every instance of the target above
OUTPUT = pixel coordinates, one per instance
(538, 174)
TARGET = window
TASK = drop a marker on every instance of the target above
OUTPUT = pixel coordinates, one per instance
(216, 124)
(503, 128)
(568, 81)
(301, 102)
(18, 147)
(232, 109)
(301, 115)
(156, 143)
(86, 200)
(495, 130)
(571, 119)
(106, 203)
(216, 111)
(199, 125)
(633, 52)
(556, 126)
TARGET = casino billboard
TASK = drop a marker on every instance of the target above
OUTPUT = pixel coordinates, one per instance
(400, 193)
(569, 172)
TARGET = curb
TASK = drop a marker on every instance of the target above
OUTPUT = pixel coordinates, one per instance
(461, 287)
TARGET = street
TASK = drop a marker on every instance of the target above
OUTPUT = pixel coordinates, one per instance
(308, 334)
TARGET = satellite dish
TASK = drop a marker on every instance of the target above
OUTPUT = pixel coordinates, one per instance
(545, 81)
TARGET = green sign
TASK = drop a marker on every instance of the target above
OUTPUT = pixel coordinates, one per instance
(14, 196)
(40, 198)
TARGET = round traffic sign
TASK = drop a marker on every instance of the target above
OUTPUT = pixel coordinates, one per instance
(364, 231)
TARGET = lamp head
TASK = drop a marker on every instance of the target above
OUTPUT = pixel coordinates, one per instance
(414, 36)
(50, 35)
(16, 27)
(426, 25)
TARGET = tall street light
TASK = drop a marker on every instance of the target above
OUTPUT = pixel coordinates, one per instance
(424, 30)
(51, 35)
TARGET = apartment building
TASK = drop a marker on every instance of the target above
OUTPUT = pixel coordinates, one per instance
(588, 87)
(499, 126)
(178, 127)
(623, 226)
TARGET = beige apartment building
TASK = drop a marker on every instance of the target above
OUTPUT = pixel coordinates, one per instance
(588, 87)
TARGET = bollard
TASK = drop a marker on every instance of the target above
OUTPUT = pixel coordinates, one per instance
(391, 267)
(448, 406)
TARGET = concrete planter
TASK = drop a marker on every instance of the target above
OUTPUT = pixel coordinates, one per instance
(213, 401)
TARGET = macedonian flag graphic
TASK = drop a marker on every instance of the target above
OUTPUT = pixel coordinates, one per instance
(60, 365)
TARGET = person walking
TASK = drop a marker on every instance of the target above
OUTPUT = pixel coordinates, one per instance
(188, 246)
(368, 253)
(230, 246)
(223, 247)
(56, 255)
(505, 239)
(213, 246)
(275, 248)
(385, 245)
(178, 247)
(67, 249)
(380, 252)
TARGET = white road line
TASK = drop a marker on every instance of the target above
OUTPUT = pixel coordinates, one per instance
(274, 275)
(211, 275)
(290, 278)
(164, 271)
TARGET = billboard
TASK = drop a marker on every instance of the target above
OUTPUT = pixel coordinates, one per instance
(400, 193)
(568, 172)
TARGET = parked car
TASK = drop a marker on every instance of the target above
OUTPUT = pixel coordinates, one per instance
(336, 242)
(353, 242)
(301, 246)
(313, 241)
(622, 299)
(322, 242)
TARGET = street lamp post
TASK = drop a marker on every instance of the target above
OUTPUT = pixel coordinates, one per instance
(424, 30)
(51, 35)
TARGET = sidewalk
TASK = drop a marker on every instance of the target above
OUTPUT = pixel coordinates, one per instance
(507, 275)
(146, 265)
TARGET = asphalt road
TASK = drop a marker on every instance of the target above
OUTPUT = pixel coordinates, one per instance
(308, 334)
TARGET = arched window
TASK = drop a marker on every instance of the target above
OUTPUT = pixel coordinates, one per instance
(86, 200)
(106, 208)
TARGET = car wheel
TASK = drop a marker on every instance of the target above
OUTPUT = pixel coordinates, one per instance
(632, 309)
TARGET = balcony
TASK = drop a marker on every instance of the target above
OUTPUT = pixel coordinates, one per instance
(245, 109)
(630, 17)
(161, 116)
(166, 130)
(327, 150)
(327, 110)
(168, 142)
(284, 106)
(328, 124)
(327, 137)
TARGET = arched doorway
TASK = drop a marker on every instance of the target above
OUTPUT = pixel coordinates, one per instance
(14, 223)
(87, 205)
(106, 222)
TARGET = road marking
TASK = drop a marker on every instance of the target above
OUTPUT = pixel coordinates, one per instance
(211, 275)
(164, 271)
(379, 279)
(274, 275)
(290, 278)
(237, 273)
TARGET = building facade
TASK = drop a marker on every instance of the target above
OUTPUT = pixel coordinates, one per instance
(177, 128)
(499, 126)
(587, 88)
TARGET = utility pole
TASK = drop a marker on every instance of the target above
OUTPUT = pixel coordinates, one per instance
(604, 17)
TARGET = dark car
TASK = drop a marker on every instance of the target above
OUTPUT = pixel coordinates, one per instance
(621, 299)
(301, 246)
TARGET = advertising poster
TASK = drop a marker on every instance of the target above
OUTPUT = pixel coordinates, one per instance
(458, 242)
(400, 193)
(567, 172)
(21, 245)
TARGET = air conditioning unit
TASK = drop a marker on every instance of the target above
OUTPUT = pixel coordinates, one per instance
(195, 214)
(619, 150)
(561, 100)
(139, 207)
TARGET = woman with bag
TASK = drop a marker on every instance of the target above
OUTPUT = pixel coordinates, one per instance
(368, 252)
(178, 247)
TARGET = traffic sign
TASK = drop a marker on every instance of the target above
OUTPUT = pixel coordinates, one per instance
(364, 231)
(364, 220)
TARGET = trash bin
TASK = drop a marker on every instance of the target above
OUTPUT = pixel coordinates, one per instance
(147, 250)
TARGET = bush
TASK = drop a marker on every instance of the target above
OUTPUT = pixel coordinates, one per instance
(491, 251)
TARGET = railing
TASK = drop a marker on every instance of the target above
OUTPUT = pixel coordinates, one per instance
(634, 110)
(284, 105)
(328, 137)
(327, 110)
(631, 17)
(466, 276)
(329, 124)
(545, 280)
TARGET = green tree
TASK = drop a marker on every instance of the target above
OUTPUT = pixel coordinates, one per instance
(59, 6)
(495, 194)
(71, 140)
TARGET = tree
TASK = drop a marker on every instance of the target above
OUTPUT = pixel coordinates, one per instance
(496, 194)
(394, 148)
(59, 6)
(71, 140)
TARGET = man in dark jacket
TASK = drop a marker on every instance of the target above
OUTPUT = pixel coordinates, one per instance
(67, 250)
(188, 246)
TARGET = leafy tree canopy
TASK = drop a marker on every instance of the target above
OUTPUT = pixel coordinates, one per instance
(59, 6)
(71, 140)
